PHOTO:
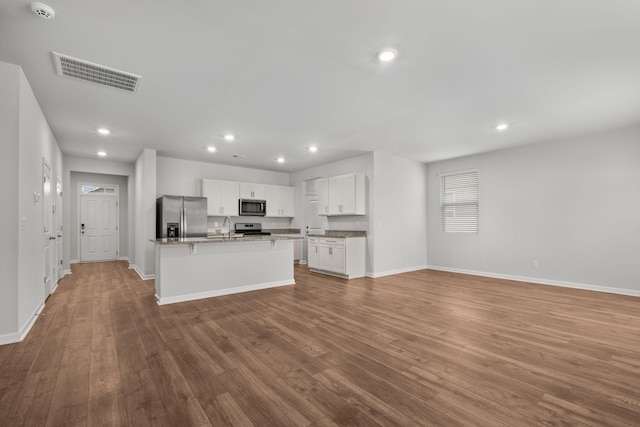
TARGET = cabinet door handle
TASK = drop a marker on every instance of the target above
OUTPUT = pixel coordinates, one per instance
(316, 249)
(330, 251)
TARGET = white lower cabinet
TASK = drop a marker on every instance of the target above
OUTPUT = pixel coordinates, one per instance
(341, 256)
(332, 257)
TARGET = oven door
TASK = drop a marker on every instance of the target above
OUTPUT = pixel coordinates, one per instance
(252, 207)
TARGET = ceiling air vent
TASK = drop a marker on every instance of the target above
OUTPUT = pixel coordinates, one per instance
(94, 73)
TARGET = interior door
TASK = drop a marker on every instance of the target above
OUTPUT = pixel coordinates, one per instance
(98, 228)
(313, 220)
(47, 222)
(58, 215)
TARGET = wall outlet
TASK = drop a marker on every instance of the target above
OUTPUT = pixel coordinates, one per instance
(534, 263)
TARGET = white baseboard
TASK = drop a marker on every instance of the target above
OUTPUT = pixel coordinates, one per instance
(19, 336)
(221, 292)
(302, 261)
(74, 261)
(534, 280)
(398, 271)
(54, 288)
(64, 273)
(123, 258)
(142, 275)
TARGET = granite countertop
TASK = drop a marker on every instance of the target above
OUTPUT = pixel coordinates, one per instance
(341, 233)
(280, 231)
(237, 239)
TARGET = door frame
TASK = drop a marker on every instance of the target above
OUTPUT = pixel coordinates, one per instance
(308, 196)
(48, 219)
(59, 232)
(116, 194)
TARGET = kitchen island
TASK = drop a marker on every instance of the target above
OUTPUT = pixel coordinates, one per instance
(195, 268)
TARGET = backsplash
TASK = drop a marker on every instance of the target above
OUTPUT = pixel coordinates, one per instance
(272, 223)
(348, 223)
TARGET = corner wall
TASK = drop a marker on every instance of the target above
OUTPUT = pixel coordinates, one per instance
(9, 212)
(27, 141)
(572, 205)
(145, 213)
(399, 216)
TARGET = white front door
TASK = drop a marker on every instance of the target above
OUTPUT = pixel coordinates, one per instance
(98, 227)
(47, 222)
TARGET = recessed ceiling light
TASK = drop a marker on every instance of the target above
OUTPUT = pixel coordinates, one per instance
(387, 55)
(104, 131)
(280, 159)
(229, 137)
(211, 149)
(313, 149)
(102, 153)
(502, 126)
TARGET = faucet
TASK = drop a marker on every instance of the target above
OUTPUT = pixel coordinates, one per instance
(225, 221)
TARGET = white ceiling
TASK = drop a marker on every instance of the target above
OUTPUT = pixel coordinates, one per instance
(285, 74)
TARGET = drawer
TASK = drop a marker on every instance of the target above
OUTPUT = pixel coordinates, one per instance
(332, 241)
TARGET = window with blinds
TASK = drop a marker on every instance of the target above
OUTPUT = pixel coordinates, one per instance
(459, 202)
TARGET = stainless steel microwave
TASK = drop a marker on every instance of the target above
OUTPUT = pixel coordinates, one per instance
(250, 207)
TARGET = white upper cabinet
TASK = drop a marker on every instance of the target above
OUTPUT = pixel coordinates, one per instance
(222, 197)
(249, 190)
(346, 195)
(280, 201)
(323, 197)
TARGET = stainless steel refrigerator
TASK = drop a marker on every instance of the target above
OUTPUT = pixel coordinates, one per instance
(178, 216)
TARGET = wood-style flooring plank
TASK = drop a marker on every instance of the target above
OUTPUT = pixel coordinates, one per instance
(419, 348)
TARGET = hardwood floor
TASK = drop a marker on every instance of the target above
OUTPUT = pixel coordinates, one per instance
(420, 348)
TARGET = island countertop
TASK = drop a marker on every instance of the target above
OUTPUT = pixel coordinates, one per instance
(237, 239)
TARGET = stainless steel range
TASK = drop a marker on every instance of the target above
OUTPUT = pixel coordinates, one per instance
(250, 229)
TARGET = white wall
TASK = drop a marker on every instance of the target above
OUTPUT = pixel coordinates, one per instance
(37, 143)
(123, 209)
(9, 212)
(184, 178)
(97, 166)
(27, 141)
(573, 205)
(399, 216)
(363, 164)
(145, 213)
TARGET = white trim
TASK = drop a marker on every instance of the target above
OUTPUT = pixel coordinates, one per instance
(302, 261)
(19, 336)
(534, 280)
(64, 273)
(220, 292)
(123, 258)
(74, 261)
(54, 288)
(398, 271)
(142, 275)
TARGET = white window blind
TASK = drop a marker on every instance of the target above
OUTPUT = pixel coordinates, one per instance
(459, 202)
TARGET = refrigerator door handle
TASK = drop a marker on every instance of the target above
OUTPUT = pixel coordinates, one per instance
(183, 217)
